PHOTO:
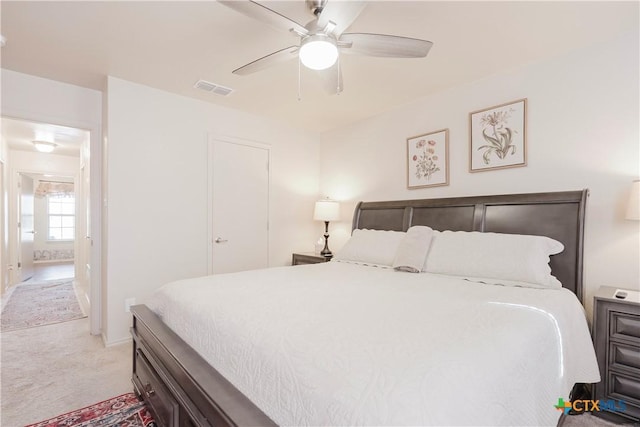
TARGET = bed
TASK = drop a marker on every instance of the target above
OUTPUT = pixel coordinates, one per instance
(351, 343)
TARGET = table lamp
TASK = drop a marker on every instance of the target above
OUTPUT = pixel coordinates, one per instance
(326, 210)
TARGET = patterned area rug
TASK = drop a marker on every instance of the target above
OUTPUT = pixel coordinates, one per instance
(122, 411)
(43, 303)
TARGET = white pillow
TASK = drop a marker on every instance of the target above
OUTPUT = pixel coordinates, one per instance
(371, 247)
(508, 259)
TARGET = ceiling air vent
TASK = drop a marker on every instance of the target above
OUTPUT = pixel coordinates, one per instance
(212, 87)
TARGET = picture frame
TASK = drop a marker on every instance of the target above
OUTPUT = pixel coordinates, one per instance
(498, 137)
(428, 159)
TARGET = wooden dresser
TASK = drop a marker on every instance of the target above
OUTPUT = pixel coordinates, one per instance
(616, 336)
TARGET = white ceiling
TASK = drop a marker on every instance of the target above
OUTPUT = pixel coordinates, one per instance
(169, 45)
(20, 134)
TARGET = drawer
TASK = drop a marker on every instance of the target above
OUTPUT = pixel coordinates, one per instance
(187, 421)
(624, 387)
(190, 416)
(164, 406)
(624, 325)
(624, 356)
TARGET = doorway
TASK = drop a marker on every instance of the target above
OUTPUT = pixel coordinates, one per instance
(47, 228)
(48, 200)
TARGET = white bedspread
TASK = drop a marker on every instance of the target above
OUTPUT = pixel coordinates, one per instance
(343, 344)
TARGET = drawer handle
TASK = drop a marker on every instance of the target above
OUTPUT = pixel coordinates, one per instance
(148, 390)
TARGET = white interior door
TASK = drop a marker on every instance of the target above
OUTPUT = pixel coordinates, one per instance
(239, 202)
(26, 228)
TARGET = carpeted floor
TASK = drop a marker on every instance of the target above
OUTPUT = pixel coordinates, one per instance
(50, 370)
(41, 303)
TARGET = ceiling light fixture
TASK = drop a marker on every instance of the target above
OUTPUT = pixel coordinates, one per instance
(44, 146)
(318, 52)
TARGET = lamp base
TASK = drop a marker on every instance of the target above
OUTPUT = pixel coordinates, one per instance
(325, 252)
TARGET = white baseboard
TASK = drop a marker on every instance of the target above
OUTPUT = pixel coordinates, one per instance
(114, 343)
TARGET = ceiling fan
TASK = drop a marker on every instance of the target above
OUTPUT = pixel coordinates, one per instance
(323, 39)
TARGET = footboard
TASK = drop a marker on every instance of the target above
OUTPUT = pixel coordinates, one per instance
(181, 388)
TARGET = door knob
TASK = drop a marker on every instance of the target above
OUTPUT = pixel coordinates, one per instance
(220, 240)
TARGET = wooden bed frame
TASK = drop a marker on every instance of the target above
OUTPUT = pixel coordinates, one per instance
(183, 390)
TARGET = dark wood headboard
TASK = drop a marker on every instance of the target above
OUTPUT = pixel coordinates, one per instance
(559, 215)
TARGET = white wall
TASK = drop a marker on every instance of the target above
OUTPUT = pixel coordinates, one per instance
(34, 162)
(582, 133)
(47, 101)
(157, 190)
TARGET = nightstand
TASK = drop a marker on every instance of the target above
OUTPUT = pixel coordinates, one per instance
(616, 337)
(301, 258)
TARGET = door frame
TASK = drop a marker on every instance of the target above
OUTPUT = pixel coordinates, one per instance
(95, 172)
(211, 139)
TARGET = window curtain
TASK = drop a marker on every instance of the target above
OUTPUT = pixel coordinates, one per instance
(60, 189)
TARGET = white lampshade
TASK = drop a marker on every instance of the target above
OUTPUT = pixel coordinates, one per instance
(318, 52)
(633, 208)
(326, 210)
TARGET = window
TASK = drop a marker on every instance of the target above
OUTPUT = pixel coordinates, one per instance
(62, 217)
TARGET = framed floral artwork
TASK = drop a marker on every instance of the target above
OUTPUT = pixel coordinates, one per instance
(428, 159)
(498, 137)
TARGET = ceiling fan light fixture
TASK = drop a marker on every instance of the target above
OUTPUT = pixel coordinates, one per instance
(44, 146)
(318, 52)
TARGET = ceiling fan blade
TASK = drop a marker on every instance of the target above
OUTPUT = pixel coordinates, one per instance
(332, 79)
(262, 13)
(267, 61)
(341, 13)
(385, 46)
